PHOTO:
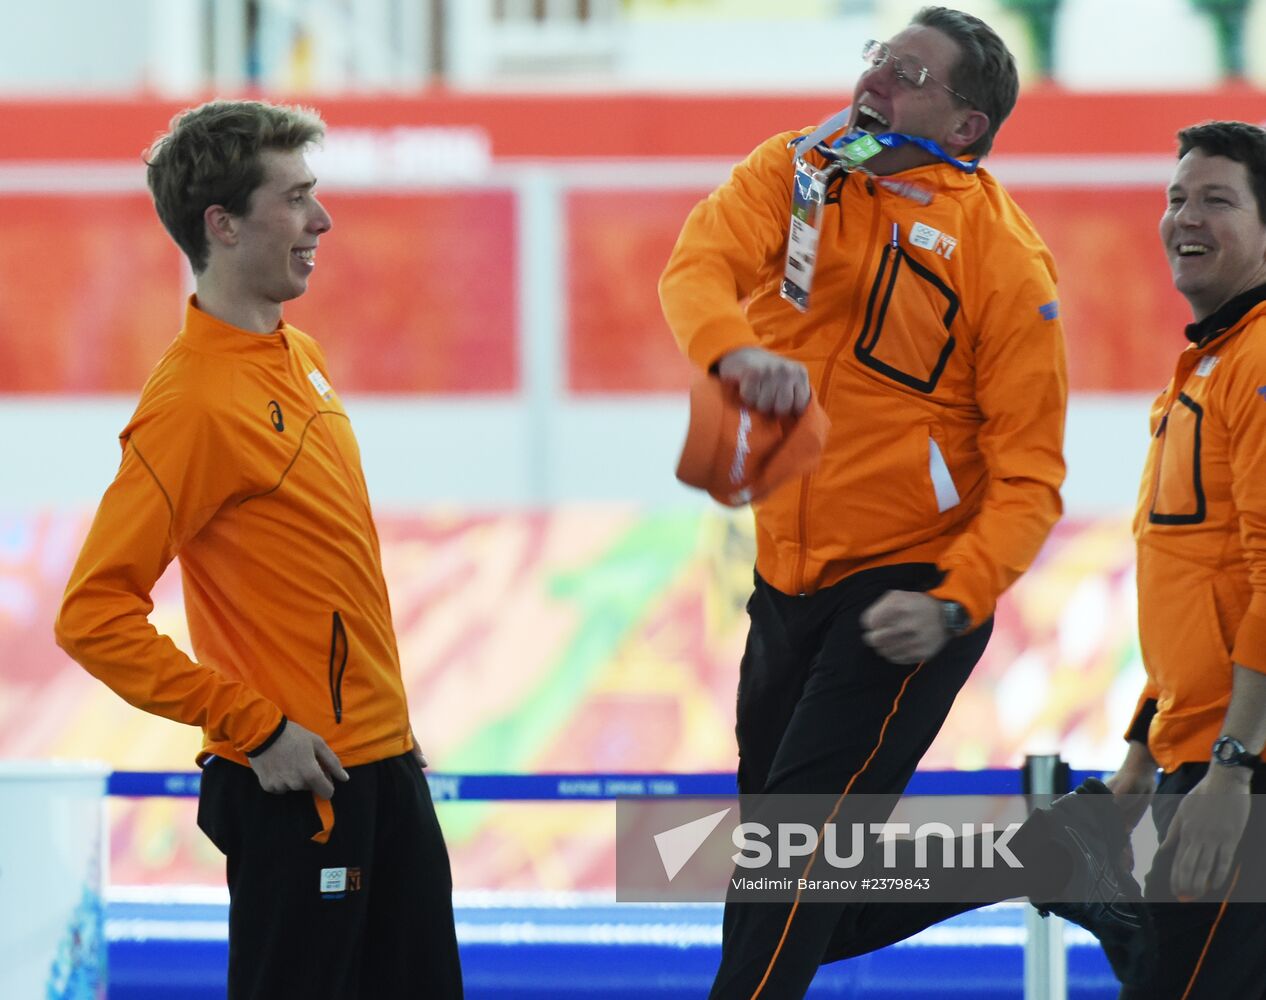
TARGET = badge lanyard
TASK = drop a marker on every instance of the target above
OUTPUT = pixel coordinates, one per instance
(808, 199)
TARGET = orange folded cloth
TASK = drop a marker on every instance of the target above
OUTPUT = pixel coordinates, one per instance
(738, 454)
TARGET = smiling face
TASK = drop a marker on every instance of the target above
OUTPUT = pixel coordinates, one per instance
(1212, 231)
(277, 236)
(883, 102)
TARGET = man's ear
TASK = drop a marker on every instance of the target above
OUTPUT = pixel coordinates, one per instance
(969, 129)
(221, 225)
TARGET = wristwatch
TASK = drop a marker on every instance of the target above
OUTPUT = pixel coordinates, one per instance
(1230, 752)
(956, 619)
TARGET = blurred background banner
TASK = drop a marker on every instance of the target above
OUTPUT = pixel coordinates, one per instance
(506, 181)
(591, 637)
(426, 190)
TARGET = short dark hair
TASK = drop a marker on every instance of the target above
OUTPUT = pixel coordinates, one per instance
(985, 74)
(210, 156)
(1238, 141)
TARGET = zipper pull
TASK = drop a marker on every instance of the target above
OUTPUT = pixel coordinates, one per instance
(896, 236)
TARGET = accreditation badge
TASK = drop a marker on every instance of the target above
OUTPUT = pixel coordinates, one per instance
(808, 199)
(807, 202)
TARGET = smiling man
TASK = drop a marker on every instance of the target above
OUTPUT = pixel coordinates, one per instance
(871, 264)
(1201, 534)
(241, 463)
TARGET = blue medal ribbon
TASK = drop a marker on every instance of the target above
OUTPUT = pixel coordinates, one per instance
(895, 140)
(892, 140)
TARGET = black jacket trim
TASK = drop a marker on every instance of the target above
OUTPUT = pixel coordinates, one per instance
(1197, 484)
(338, 664)
(1142, 722)
(276, 735)
(877, 311)
(1225, 317)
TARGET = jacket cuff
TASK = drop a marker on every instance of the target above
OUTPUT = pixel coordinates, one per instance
(951, 589)
(708, 346)
(1137, 733)
(276, 735)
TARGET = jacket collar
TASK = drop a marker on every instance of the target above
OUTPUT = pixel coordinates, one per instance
(204, 333)
(1225, 316)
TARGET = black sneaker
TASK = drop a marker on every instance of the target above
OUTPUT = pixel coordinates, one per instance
(1101, 895)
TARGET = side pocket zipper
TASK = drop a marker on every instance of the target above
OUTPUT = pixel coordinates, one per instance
(338, 645)
(942, 482)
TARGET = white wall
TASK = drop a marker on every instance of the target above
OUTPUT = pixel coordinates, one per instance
(72, 46)
(488, 454)
(184, 47)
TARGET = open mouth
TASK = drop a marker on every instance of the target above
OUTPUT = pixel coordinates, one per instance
(1192, 249)
(870, 120)
(307, 255)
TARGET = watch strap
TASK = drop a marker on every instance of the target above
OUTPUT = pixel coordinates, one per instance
(1230, 752)
(955, 618)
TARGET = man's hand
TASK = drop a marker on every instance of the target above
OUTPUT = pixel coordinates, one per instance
(767, 382)
(1134, 783)
(299, 761)
(1207, 829)
(1132, 787)
(905, 626)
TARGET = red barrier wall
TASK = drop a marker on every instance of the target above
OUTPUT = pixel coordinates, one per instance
(416, 292)
(1047, 121)
(89, 292)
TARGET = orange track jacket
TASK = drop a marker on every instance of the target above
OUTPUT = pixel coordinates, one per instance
(1200, 527)
(240, 460)
(932, 340)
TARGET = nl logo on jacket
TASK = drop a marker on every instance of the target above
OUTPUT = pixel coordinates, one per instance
(941, 244)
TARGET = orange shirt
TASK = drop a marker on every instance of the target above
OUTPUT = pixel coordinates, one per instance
(932, 340)
(1200, 527)
(241, 462)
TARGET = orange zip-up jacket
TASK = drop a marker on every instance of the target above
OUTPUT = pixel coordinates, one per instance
(1200, 528)
(932, 340)
(241, 461)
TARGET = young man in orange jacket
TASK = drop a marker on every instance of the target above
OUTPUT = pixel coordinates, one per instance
(1201, 533)
(870, 264)
(241, 462)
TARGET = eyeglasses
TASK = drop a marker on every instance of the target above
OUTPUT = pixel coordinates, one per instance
(909, 71)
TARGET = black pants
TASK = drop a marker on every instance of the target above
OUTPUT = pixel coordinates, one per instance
(366, 916)
(818, 709)
(1206, 951)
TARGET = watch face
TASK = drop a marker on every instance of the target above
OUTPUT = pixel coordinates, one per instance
(1228, 750)
(955, 617)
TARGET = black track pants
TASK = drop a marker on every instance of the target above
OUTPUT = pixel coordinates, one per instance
(1205, 950)
(366, 916)
(818, 709)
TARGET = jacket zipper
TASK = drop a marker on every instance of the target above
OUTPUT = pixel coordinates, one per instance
(350, 480)
(338, 664)
(798, 579)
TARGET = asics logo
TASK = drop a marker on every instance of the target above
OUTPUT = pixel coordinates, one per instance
(1099, 869)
